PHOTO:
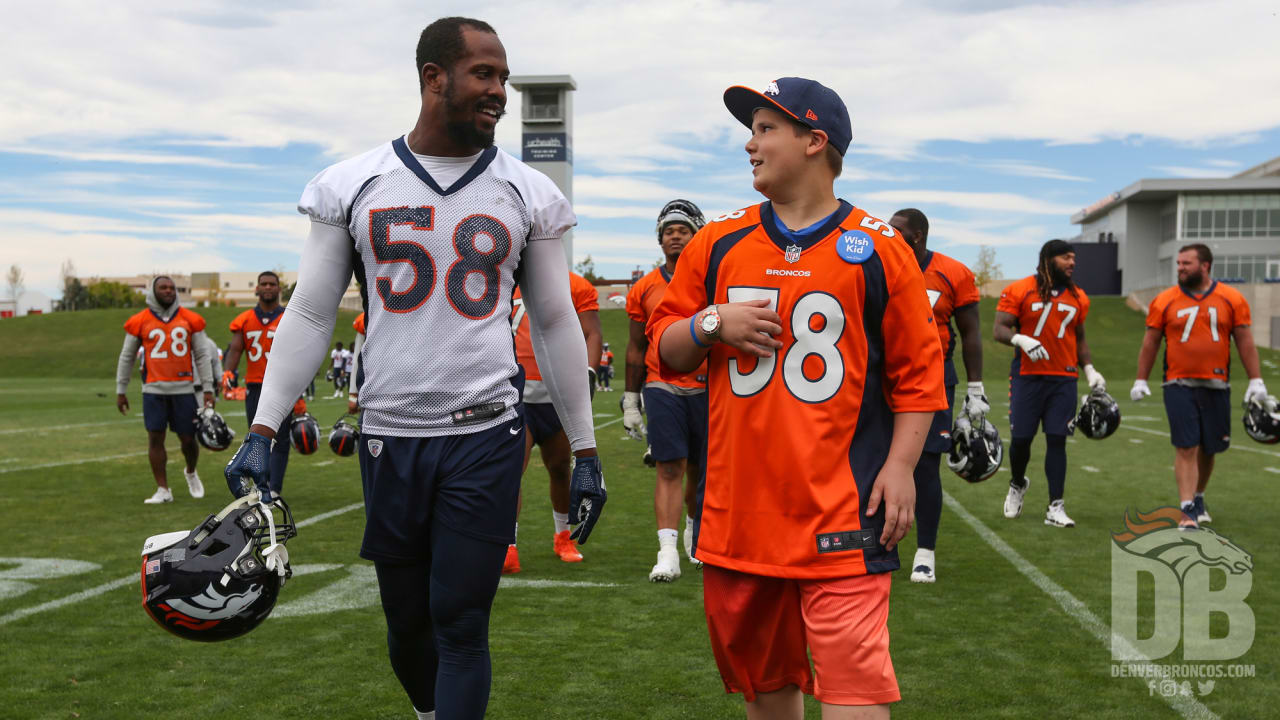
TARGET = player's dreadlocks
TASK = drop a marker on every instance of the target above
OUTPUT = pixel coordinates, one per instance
(441, 42)
(1045, 271)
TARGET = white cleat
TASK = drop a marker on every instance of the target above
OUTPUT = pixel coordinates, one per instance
(1056, 515)
(922, 567)
(193, 483)
(1013, 501)
(688, 546)
(667, 568)
(162, 495)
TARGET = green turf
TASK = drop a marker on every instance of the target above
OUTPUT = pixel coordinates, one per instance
(982, 642)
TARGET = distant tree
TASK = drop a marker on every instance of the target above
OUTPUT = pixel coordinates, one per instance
(16, 282)
(74, 295)
(587, 269)
(287, 292)
(986, 268)
(105, 294)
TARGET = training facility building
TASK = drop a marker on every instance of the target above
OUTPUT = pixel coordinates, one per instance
(1129, 239)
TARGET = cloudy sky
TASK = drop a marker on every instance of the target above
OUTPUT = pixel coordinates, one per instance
(143, 136)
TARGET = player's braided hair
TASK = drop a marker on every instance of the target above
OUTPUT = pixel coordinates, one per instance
(441, 42)
(1044, 273)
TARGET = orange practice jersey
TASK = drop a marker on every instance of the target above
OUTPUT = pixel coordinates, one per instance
(642, 300)
(585, 299)
(1053, 323)
(606, 358)
(358, 325)
(950, 286)
(797, 440)
(258, 331)
(1197, 330)
(166, 346)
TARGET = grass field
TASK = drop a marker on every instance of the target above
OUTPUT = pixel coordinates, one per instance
(593, 640)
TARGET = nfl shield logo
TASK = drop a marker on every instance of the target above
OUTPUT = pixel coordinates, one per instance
(375, 447)
(793, 253)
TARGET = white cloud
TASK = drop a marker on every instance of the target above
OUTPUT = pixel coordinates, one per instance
(1213, 171)
(985, 201)
(130, 158)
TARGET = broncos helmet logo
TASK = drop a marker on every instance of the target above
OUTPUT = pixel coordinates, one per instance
(1155, 535)
(213, 605)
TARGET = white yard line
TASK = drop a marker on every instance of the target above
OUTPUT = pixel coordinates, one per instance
(72, 426)
(101, 458)
(1187, 707)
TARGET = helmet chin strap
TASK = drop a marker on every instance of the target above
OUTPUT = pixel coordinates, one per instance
(276, 556)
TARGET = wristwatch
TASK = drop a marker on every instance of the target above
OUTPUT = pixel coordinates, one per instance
(710, 323)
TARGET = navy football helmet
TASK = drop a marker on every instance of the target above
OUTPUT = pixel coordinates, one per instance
(1262, 420)
(220, 580)
(1099, 416)
(976, 450)
(304, 433)
(681, 211)
(212, 430)
(345, 436)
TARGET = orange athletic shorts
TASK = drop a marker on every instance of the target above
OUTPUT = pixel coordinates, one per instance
(762, 626)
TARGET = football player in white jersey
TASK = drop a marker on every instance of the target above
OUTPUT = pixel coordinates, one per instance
(434, 225)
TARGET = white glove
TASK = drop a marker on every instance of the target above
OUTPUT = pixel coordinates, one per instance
(1095, 379)
(632, 420)
(1139, 390)
(975, 401)
(1257, 390)
(1030, 346)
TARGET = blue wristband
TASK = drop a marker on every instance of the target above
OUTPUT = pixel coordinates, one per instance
(694, 334)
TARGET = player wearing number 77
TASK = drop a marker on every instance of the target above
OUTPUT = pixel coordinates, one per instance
(1042, 317)
(1198, 318)
(434, 225)
(171, 337)
(824, 371)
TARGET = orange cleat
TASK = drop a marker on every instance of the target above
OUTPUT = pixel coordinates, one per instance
(511, 565)
(566, 548)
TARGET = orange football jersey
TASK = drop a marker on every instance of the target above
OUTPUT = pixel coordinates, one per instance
(166, 346)
(950, 286)
(585, 299)
(1197, 330)
(358, 325)
(1053, 323)
(258, 331)
(643, 298)
(795, 441)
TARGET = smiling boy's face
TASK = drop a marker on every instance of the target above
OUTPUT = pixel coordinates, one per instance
(776, 150)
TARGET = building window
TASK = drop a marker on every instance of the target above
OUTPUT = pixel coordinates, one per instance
(1227, 216)
(543, 105)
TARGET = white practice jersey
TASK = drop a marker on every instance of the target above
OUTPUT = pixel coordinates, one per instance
(347, 359)
(437, 267)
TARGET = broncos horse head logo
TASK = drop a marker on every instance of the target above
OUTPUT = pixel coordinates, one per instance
(1155, 535)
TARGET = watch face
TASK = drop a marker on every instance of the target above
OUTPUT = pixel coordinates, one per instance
(710, 322)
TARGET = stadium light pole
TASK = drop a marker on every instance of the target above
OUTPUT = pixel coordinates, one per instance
(546, 127)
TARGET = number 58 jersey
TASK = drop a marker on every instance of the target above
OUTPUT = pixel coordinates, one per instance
(436, 267)
(795, 441)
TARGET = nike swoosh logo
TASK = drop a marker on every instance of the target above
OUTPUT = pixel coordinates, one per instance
(516, 430)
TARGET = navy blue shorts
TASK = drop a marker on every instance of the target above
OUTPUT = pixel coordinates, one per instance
(677, 424)
(1040, 400)
(470, 483)
(1198, 417)
(177, 412)
(543, 421)
(939, 438)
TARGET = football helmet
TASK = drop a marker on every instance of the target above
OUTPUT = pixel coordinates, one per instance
(681, 211)
(976, 450)
(220, 580)
(1099, 416)
(212, 430)
(304, 433)
(1262, 420)
(345, 436)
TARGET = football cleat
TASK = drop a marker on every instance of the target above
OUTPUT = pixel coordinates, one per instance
(667, 568)
(345, 436)
(194, 486)
(1202, 511)
(304, 433)
(212, 430)
(161, 495)
(688, 546)
(647, 459)
(220, 580)
(922, 567)
(1013, 501)
(1099, 416)
(565, 548)
(511, 564)
(976, 450)
(1056, 515)
(1262, 420)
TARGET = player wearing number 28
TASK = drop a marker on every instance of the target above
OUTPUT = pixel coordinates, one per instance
(1042, 317)
(434, 224)
(175, 359)
(824, 371)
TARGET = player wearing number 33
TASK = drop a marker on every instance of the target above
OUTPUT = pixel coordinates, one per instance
(1042, 317)
(824, 371)
(434, 224)
(175, 359)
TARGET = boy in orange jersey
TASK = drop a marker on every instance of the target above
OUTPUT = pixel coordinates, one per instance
(1197, 318)
(676, 403)
(1042, 317)
(824, 372)
(252, 333)
(542, 424)
(952, 293)
(175, 359)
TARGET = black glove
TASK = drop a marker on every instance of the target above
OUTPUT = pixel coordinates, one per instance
(586, 497)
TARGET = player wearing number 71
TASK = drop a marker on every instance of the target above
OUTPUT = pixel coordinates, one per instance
(433, 225)
(824, 370)
(1042, 317)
